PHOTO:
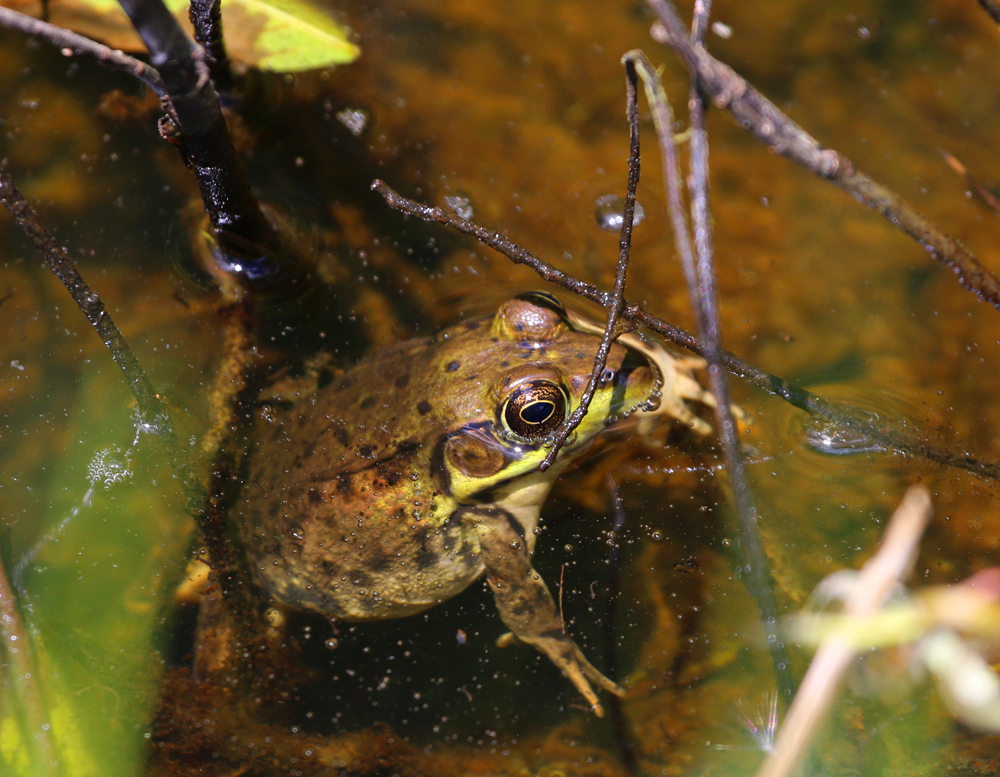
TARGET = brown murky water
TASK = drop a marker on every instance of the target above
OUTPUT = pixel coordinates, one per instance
(518, 107)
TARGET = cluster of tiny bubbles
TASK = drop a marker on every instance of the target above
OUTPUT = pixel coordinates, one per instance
(109, 466)
(459, 204)
(609, 210)
(357, 120)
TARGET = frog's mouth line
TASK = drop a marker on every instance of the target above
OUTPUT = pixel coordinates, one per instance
(633, 360)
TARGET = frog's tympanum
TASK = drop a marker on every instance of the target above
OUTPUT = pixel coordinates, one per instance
(402, 481)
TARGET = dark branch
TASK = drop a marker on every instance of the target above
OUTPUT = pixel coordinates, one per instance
(206, 18)
(992, 7)
(205, 143)
(71, 43)
(612, 328)
(758, 114)
(886, 432)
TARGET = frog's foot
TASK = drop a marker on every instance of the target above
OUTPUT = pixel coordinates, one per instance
(525, 603)
(566, 654)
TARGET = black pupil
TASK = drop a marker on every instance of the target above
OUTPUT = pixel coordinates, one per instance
(537, 412)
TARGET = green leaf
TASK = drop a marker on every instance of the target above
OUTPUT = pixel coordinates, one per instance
(277, 35)
(280, 35)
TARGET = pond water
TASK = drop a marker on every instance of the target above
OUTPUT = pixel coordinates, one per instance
(515, 113)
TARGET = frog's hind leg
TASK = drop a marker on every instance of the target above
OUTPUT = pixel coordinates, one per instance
(525, 604)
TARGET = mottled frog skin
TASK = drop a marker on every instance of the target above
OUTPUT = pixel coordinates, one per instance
(402, 481)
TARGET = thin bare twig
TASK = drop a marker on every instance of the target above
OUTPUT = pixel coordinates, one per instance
(992, 7)
(758, 114)
(699, 20)
(886, 432)
(72, 43)
(974, 183)
(612, 328)
(875, 583)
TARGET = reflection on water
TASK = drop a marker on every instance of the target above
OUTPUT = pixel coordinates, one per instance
(516, 112)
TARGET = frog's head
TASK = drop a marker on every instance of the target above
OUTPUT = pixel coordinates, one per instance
(536, 361)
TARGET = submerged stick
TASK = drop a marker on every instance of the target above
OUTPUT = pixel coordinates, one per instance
(700, 277)
(612, 328)
(782, 135)
(152, 410)
(888, 433)
(890, 565)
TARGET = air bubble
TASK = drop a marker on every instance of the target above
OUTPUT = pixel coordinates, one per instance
(609, 210)
(108, 467)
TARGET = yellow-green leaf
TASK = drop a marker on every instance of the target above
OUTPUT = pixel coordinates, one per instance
(277, 35)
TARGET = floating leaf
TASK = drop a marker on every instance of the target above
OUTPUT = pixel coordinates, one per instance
(278, 35)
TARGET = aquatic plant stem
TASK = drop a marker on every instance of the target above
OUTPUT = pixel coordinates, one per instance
(876, 581)
(887, 432)
(18, 660)
(72, 43)
(612, 328)
(783, 136)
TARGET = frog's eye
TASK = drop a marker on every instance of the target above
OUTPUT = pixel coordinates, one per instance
(534, 409)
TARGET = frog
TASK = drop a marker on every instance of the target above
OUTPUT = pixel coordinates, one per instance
(408, 477)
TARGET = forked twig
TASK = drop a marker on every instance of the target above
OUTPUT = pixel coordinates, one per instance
(758, 114)
(890, 565)
(612, 328)
(887, 432)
